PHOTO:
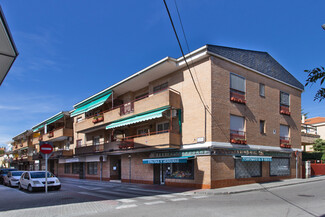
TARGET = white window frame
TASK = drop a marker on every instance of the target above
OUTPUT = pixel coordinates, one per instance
(260, 86)
(288, 98)
(163, 122)
(142, 128)
(231, 73)
(288, 136)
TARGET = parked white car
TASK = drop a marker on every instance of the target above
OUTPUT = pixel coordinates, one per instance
(12, 178)
(33, 180)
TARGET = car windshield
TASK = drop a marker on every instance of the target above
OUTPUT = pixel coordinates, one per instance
(35, 175)
(5, 172)
(16, 173)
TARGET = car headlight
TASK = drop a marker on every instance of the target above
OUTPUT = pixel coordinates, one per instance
(36, 182)
(57, 181)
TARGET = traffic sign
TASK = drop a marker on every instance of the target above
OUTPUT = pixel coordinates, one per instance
(46, 148)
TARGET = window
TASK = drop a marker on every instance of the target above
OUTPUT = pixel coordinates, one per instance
(237, 125)
(262, 90)
(284, 132)
(262, 127)
(284, 99)
(247, 169)
(66, 168)
(75, 168)
(162, 127)
(180, 170)
(237, 83)
(79, 119)
(79, 142)
(92, 168)
(96, 140)
(143, 131)
(160, 87)
(280, 167)
(141, 96)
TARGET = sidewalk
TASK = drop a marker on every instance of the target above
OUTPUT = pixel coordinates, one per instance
(258, 186)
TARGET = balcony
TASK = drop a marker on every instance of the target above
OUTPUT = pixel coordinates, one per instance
(237, 96)
(285, 142)
(57, 134)
(308, 138)
(238, 137)
(62, 153)
(284, 110)
(89, 149)
(168, 97)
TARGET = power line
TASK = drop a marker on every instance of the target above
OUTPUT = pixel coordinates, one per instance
(196, 88)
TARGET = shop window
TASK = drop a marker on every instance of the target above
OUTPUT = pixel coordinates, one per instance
(75, 168)
(162, 127)
(160, 87)
(280, 167)
(180, 170)
(247, 169)
(92, 168)
(262, 90)
(66, 168)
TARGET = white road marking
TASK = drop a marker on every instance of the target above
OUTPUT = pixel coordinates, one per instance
(148, 198)
(178, 199)
(166, 195)
(199, 197)
(126, 206)
(126, 200)
(154, 202)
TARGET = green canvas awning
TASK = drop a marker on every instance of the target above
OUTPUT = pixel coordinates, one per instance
(137, 118)
(182, 159)
(91, 104)
(55, 118)
(37, 128)
(255, 158)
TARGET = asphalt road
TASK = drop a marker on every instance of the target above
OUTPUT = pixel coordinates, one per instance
(90, 198)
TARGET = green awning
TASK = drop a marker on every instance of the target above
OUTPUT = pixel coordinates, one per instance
(255, 158)
(37, 128)
(91, 104)
(55, 118)
(24, 148)
(182, 159)
(137, 118)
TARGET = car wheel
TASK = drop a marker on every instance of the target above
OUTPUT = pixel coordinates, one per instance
(30, 188)
(19, 187)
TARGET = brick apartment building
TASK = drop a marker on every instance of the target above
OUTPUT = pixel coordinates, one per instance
(153, 128)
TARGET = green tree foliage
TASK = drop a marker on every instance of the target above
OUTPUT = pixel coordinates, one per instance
(319, 145)
(314, 75)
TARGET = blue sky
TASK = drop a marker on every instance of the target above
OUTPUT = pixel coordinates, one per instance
(70, 50)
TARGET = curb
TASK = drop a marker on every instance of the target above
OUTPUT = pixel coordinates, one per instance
(210, 192)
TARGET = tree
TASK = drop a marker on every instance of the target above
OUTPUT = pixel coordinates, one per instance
(319, 145)
(315, 75)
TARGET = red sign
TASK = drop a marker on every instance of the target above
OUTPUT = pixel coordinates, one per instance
(46, 148)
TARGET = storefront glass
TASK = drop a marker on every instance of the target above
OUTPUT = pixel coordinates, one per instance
(247, 169)
(75, 168)
(180, 170)
(280, 167)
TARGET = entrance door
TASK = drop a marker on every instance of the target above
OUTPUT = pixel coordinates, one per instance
(159, 174)
(119, 169)
(81, 170)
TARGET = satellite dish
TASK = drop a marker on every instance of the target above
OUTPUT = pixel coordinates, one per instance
(323, 26)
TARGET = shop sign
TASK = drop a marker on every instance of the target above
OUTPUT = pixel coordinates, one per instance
(72, 160)
(240, 152)
(179, 153)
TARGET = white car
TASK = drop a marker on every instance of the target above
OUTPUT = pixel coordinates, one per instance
(33, 180)
(12, 178)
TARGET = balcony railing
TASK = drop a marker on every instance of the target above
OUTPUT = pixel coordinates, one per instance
(284, 110)
(56, 133)
(285, 142)
(127, 108)
(89, 149)
(237, 96)
(238, 137)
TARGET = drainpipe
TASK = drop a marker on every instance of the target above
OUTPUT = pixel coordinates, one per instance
(296, 153)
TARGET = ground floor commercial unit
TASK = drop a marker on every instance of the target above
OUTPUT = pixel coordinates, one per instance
(201, 167)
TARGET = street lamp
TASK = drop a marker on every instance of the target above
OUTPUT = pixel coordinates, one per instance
(323, 26)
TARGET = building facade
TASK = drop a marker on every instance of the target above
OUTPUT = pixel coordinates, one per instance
(233, 118)
(311, 129)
